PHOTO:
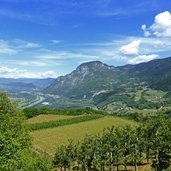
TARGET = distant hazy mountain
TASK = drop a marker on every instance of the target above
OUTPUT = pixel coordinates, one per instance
(24, 84)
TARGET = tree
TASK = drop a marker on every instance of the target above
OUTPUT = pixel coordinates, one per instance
(161, 142)
(112, 147)
(15, 142)
(87, 153)
(127, 138)
(14, 135)
(65, 155)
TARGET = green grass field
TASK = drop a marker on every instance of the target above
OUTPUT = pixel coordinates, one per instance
(47, 118)
(138, 95)
(154, 95)
(51, 138)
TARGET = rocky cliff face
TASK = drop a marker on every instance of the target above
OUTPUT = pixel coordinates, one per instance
(83, 77)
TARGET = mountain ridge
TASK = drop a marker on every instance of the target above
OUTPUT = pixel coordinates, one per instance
(103, 84)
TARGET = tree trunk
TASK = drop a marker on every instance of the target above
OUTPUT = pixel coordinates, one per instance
(111, 162)
(89, 167)
(136, 167)
(125, 166)
(148, 155)
(135, 163)
(102, 167)
(157, 159)
(117, 167)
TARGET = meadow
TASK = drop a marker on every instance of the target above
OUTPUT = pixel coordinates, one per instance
(51, 138)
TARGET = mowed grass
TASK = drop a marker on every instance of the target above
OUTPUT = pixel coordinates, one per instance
(48, 117)
(51, 138)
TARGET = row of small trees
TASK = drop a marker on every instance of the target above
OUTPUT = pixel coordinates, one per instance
(149, 143)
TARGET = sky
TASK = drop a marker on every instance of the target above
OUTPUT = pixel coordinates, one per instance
(49, 38)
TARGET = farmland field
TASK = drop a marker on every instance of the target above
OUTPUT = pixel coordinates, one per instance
(138, 95)
(51, 138)
(47, 118)
(154, 95)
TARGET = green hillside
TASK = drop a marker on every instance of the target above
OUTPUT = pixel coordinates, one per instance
(95, 84)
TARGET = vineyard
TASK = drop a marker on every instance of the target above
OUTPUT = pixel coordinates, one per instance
(51, 138)
(99, 142)
(63, 122)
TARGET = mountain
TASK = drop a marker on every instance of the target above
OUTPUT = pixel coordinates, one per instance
(88, 79)
(157, 73)
(24, 84)
(94, 77)
(119, 86)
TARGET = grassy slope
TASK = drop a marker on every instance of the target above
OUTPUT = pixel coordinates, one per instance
(50, 139)
(47, 118)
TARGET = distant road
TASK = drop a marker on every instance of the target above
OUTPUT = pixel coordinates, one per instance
(38, 100)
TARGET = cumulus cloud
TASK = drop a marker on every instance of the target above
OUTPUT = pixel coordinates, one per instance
(6, 72)
(131, 48)
(161, 26)
(142, 58)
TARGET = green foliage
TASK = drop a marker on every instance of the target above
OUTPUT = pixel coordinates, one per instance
(65, 155)
(52, 124)
(31, 112)
(31, 161)
(124, 146)
(14, 135)
(15, 153)
(158, 131)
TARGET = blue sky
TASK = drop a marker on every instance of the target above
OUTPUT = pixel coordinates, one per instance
(48, 38)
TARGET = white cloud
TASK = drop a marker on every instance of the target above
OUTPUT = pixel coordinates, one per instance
(161, 26)
(146, 32)
(131, 48)
(142, 58)
(6, 72)
(31, 63)
(24, 44)
(56, 41)
(30, 45)
(63, 55)
(6, 49)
